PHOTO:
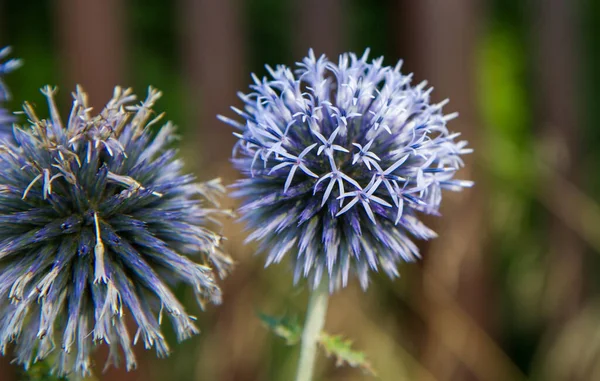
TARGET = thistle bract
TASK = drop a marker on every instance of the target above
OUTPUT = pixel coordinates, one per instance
(339, 160)
(97, 221)
(6, 119)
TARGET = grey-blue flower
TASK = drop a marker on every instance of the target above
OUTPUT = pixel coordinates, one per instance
(339, 160)
(97, 222)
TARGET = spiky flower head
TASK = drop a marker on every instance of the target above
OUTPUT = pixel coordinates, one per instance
(339, 160)
(6, 119)
(97, 222)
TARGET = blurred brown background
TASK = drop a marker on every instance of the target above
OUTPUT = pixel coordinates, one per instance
(510, 289)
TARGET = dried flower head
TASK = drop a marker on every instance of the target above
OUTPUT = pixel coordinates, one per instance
(339, 160)
(6, 119)
(96, 222)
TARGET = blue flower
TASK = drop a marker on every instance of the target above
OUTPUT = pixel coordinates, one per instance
(6, 118)
(339, 160)
(97, 221)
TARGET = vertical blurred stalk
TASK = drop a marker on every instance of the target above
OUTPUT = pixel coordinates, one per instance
(214, 67)
(557, 63)
(2, 22)
(441, 39)
(92, 41)
(319, 25)
(213, 59)
(313, 325)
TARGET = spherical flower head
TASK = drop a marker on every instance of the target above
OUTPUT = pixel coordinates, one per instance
(6, 66)
(339, 160)
(98, 222)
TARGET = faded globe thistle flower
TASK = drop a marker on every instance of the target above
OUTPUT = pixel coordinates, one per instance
(339, 160)
(96, 222)
(6, 119)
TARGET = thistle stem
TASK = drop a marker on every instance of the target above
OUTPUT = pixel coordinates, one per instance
(315, 319)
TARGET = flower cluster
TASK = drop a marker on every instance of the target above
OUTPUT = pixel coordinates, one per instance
(6, 119)
(338, 161)
(97, 221)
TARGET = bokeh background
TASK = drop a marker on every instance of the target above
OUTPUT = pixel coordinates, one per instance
(509, 291)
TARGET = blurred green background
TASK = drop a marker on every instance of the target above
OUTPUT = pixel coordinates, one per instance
(510, 289)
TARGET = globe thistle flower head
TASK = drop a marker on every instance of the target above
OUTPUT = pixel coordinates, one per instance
(339, 161)
(97, 221)
(6, 66)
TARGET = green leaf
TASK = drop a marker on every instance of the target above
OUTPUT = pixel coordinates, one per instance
(337, 346)
(285, 327)
(341, 349)
(40, 371)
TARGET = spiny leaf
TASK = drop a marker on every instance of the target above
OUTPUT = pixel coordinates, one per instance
(334, 345)
(285, 327)
(341, 349)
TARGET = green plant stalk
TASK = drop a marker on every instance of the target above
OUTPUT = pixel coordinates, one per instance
(315, 320)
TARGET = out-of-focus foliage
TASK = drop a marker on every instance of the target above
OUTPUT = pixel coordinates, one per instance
(40, 371)
(340, 348)
(336, 346)
(285, 327)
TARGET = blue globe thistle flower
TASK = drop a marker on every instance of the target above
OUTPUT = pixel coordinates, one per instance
(97, 221)
(6, 119)
(338, 161)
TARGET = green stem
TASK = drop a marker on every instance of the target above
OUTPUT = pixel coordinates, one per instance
(315, 319)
